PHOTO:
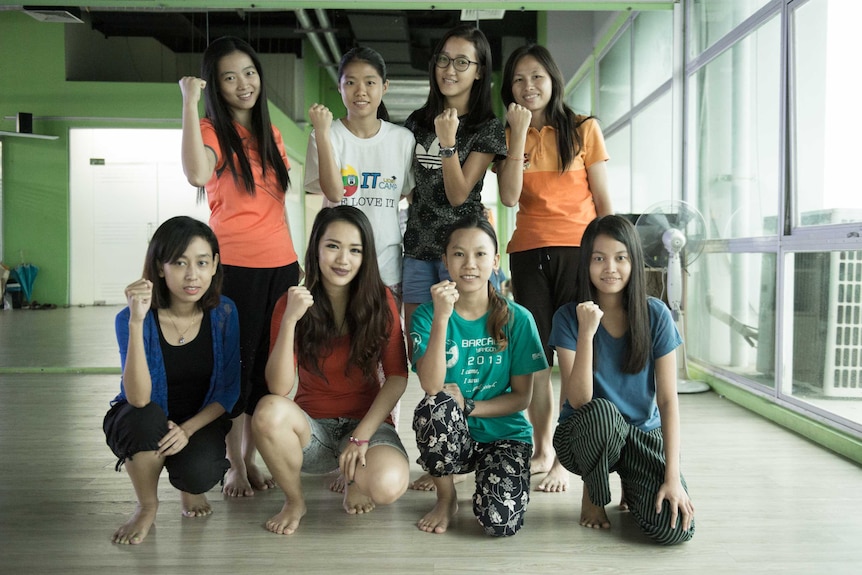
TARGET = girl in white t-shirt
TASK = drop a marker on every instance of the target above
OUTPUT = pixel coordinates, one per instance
(363, 160)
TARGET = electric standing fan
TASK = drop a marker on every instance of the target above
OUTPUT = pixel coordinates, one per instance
(672, 235)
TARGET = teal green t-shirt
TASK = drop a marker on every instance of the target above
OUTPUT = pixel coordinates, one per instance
(482, 372)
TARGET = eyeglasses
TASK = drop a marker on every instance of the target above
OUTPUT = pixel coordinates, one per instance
(460, 63)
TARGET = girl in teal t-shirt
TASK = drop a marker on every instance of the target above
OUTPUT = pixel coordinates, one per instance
(475, 354)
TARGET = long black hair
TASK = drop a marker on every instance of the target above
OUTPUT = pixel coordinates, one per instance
(220, 115)
(368, 317)
(638, 338)
(480, 109)
(373, 59)
(557, 114)
(169, 243)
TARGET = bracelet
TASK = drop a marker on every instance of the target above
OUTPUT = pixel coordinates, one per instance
(525, 160)
(359, 442)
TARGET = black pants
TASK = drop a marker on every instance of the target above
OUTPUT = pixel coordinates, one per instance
(255, 291)
(196, 469)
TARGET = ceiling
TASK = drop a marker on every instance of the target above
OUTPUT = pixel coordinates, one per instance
(405, 38)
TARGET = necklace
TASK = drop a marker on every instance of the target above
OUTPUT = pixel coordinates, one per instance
(183, 333)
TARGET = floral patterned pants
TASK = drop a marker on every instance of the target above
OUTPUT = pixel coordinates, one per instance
(502, 467)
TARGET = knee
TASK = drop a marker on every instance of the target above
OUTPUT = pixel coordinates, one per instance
(496, 526)
(388, 485)
(272, 413)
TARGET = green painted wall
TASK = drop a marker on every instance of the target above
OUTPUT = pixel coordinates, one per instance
(36, 172)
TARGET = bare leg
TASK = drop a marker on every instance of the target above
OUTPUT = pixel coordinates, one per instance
(236, 483)
(381, 482)
(437, 520)
(144, 472)
(426, 482)
(281, 431)
(256, 477)
(593, 516)
(542, 415)
(195, 504)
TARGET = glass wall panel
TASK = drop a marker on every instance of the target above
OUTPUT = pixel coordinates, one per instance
(730, 313)
(652, 157)
(710, 20)
(825, 333)
(580, 98)
(653, 52)
(619, 169)
(615, 80)
(734, 143)
(826, 48)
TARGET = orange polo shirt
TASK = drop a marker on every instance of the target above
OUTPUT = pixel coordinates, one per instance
(554, 209)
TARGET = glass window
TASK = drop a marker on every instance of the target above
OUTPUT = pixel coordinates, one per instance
(710, 20)
(652, 166)
(619, 169)
(653, 52)
(730, 313)
(825, 333)
(615, 80)
(733, 137)
(827, 124)
(580, 98)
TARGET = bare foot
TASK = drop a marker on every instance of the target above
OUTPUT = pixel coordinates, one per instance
(135, 530)
(624, 505)
(437, 520)
(557, 479)
(541, 463)
(257, 478)
(337, 485)
(287, 520)
(236, 484)
(426, 482)
(356, 502)
(195, 505)
(593, 516)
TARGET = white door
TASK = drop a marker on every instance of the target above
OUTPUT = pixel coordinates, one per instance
(123, 184)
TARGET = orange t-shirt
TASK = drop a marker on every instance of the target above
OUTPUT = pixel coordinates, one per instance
(554, 209)
(344, 391)
(252, 231)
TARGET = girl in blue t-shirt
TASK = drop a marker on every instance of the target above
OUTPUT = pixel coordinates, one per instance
(475, 354)
(620, 410)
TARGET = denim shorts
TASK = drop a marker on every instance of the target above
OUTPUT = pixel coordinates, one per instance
(329, 437)
(419, 276)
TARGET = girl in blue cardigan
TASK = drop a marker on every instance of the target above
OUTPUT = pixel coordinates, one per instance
(179, 348)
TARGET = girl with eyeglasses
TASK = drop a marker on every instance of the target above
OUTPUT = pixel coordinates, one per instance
(555, 173)
(457, 138)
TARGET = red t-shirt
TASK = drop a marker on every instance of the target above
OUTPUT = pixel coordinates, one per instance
(344, 391)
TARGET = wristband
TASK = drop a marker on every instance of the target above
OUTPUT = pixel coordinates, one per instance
(359, 442)
(469, 406)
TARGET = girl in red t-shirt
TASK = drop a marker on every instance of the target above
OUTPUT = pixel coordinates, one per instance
(341, 329)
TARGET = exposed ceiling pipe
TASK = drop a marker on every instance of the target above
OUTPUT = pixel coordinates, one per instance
(305, 22)
(323, 20)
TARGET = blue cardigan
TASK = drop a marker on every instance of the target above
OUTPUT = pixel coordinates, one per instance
(224, 384)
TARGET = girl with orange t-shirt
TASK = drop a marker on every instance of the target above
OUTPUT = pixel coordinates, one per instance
(555, 173)
(237, 156)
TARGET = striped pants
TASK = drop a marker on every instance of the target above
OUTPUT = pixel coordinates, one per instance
(597, 441)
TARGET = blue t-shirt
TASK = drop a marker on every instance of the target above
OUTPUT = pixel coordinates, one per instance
(482, 372)
(632, 393)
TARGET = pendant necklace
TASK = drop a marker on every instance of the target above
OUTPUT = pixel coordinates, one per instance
(183, 333)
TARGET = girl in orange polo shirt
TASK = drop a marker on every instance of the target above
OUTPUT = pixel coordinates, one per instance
(555, 173)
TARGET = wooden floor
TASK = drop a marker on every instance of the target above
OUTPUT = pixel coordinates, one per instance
(767, 500)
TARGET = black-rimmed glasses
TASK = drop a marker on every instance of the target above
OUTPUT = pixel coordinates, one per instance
(460, 63)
